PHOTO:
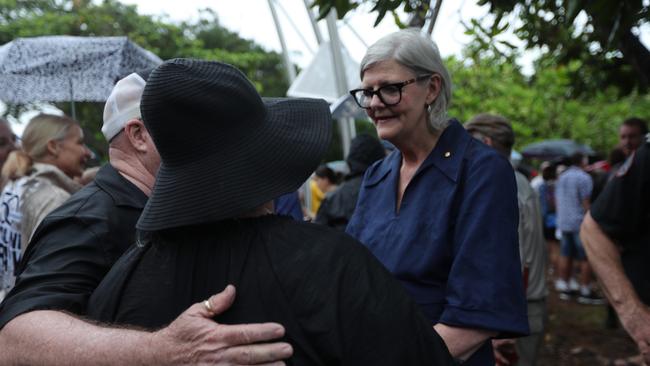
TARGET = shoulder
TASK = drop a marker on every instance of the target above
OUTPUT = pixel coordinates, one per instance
(319, 245)
(584, 175)
(86, 202)
(480, 156)
(483, 163)
(638, 160)
(524, 189)
(90, 209)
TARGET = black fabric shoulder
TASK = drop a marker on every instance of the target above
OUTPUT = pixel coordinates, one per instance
(623, 208)
(344, 288)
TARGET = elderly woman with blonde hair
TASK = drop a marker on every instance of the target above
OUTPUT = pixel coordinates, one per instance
(38, 178)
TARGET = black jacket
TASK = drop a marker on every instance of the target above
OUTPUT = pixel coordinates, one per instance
(339, 305)
(75, 246)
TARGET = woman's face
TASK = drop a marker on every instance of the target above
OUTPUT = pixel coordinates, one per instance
(72, 153)
(399, 122)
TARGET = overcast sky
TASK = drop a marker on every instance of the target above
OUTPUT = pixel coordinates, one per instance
(252, 19)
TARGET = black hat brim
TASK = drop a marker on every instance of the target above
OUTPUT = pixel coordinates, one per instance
(270, 161)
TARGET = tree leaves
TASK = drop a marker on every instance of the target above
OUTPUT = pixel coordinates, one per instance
(605, 42)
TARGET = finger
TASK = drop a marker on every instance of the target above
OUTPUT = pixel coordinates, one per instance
(243, 334)
(223, 300)
(258, 353)
(499, 357)
(217, 303)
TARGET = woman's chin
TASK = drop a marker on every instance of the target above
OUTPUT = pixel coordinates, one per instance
(386, 133)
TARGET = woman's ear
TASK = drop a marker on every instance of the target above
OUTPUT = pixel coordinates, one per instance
(53, 148)
(435, 84)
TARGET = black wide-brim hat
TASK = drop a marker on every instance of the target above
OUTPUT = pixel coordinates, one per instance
(224, 149)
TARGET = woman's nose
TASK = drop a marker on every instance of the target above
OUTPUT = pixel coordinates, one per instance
(376, 102)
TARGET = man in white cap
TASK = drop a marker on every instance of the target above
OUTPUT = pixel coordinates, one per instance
(76, 245)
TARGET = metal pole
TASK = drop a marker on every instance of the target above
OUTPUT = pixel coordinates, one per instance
(291, 73)
(73, 112)
(356, 34)
(340, 79)
(295, 28)
(314, 24)
(434, 17)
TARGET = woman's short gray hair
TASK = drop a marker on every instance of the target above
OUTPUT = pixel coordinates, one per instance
(414, 51)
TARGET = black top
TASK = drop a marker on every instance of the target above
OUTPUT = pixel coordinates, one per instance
(338, 206)
(623, 212)
(337, 302)
(75, 246)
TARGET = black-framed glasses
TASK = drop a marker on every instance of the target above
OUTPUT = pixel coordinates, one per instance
(389, 94)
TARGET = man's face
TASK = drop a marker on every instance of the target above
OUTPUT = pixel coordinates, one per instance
(7, 142)
(629, 138)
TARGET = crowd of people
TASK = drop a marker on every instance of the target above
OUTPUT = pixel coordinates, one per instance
(191, 245)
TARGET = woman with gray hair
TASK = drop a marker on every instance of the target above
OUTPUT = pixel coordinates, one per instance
(440, 212)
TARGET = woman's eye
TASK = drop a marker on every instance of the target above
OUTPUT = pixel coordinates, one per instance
(390, 89)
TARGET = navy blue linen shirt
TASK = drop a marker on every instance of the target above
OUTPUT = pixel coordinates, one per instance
(453, 242)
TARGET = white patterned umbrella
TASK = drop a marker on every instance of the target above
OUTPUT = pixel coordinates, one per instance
(67, 68)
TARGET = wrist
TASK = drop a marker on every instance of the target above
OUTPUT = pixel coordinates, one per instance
(159, 351)
(628, 311)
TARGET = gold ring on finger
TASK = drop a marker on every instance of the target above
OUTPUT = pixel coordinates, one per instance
(208, 306)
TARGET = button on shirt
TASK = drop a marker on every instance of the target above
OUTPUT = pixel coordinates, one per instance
(453, 243)
(571, 189)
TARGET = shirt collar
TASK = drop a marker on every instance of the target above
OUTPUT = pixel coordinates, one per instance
(449, 151)
(55, 176)
(123, 192)
(446, 156)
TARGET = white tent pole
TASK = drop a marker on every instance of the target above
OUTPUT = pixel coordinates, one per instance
(293, 25)
(346, 125)
(291, 72)
(356, 34)
(314, 24)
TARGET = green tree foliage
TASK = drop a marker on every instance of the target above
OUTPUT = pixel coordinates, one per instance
(603, 39)
(541, 107)
(204, 38)
(417, 9)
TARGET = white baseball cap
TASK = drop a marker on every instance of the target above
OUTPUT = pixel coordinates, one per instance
(122, 105)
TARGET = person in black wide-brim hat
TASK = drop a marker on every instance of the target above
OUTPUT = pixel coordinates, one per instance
(226, 154)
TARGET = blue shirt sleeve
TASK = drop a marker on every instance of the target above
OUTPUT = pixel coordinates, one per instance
(586, 187)
(485, 287)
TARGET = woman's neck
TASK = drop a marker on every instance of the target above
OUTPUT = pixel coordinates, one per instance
(416, 150)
